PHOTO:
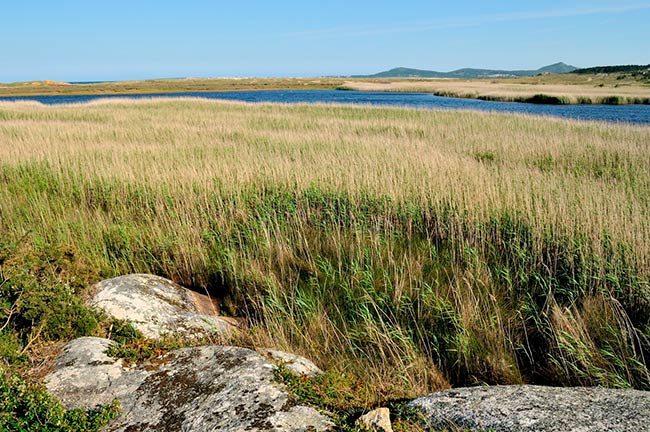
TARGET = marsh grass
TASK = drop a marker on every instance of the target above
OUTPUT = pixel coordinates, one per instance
(408, 249)
(565, 89)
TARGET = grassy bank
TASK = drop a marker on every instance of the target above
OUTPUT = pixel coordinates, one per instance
(566, 89)
(38, 88)
(408, 249)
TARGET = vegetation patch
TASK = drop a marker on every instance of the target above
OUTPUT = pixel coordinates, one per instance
(41, 297)
(545, 100)
(344, 398)
(487, 156)
(612, 69)
(133, 348)
(26, 406)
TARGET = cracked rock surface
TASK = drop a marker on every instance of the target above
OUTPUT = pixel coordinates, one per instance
(155, 305)
(211, 388)
(527, 408)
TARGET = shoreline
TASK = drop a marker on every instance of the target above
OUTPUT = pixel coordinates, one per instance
(540, 98)
(536, 99)
(556, 112)
(543, 90)
(155, 92)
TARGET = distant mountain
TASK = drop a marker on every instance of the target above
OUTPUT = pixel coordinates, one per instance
(401, 72)
(557, 68)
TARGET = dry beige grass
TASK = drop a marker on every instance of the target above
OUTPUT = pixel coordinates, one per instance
(189, 189)
(552, 171)
(167, 86)
(584, 91)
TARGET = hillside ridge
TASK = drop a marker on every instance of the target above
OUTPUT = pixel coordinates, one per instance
(404, 72)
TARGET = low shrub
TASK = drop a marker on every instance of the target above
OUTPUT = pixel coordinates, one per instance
(546, 100)
(27, 407)
(41, 297)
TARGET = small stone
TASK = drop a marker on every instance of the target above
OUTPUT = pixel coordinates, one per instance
(377, 420)
(295, 364)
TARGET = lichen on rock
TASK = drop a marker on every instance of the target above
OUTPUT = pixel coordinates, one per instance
(526, 408)
(211, 388)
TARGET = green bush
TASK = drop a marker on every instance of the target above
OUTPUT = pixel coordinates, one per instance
(546, 100)
(26, 407)
(613, 100)
(40, 297)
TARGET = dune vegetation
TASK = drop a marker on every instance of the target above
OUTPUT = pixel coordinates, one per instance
(39, 88)
(407, 250)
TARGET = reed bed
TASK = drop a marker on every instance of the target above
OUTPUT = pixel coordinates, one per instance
(411, 249)
(564, 90)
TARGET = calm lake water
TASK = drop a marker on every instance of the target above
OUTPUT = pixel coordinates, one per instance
(638, 114)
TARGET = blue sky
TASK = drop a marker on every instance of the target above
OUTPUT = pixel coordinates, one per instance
(109, 40)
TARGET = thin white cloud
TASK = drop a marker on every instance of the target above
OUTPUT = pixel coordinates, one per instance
(464, 22)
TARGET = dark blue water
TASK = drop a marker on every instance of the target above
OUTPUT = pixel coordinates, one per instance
(89, 82)
(638, 114)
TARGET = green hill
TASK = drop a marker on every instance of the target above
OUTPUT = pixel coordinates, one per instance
(469, 73)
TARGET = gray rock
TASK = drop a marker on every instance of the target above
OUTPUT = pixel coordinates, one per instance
(377, 420)
(211, 388)
(294, 363)
(155, 305)
(84, 375)
(540, 409)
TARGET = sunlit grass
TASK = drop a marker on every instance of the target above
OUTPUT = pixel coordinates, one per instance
(408, 248)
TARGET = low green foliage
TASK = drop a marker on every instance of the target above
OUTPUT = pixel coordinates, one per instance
(27, 407)
(40, 296)
(345, 399)
(486, 156)
(122, 332)
(134, 350)
(546, 100)
(41, 301)
(131, 346)
(613, 69)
